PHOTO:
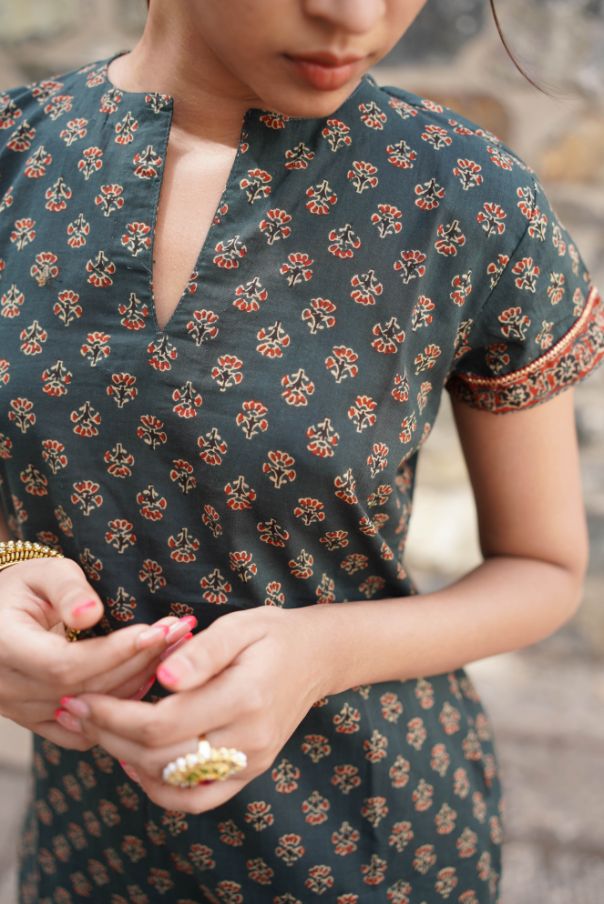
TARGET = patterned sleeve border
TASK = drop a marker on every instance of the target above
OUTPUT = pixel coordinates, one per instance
(569, 360)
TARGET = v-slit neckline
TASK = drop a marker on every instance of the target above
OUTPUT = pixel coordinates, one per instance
(204, 255)
(208, 243)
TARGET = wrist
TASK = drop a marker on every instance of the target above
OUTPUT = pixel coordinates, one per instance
(12, 552)
(327, 662)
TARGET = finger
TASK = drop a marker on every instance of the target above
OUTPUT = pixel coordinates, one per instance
(52, 659)
(219, 703)
(140, 684)
(61, 736)
(175, 646)
(211, 651)
(62, 592)
(18, 688)
(134, 689)
(175, 629)
(191, 800)
(29, 712)
(152, 761)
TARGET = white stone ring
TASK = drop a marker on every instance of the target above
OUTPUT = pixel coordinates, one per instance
(207, 764)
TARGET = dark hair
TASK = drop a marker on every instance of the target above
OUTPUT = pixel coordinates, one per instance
(505, 44)
(507, 49)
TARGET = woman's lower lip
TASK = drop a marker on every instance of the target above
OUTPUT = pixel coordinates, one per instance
(325, 78)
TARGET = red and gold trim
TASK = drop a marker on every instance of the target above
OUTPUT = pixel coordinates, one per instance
(568, 361)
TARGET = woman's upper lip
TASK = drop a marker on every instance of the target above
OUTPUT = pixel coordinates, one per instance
(325, 58)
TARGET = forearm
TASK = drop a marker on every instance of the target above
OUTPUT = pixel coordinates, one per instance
(504, 604)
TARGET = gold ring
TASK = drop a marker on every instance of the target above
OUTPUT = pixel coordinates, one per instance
(207, 764)
(71, 633)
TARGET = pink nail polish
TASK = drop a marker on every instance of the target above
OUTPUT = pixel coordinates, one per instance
(190, 621)
(176, 630)
(142, 691)
(83, 607)
(152, 635)
(67, 720)
(175, 646)
(165, 675)
(130, 772)
(75, 706)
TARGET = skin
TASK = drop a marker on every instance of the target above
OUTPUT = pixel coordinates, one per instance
(217, 59)
(215, 72)
(38, 665)
(251, 676)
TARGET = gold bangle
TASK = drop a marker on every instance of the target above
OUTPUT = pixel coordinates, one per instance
(14, 551)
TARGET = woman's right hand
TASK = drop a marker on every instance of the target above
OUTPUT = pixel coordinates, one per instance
(38, 665)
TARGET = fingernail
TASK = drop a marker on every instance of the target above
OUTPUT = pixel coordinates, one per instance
(175, 646)
(152, 635)
(144, 688)
(67, 720)
(186, 623)
(168, 675)
(83, 607)
(75, 706)
(130, 772)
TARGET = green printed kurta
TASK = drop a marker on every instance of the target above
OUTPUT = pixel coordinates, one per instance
(261, 450)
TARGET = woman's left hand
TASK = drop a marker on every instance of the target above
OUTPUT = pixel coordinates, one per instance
(245, 681)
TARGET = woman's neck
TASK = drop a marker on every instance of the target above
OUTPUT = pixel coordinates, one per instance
(209, 102)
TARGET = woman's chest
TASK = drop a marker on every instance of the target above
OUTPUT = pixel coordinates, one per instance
(312, 324)
(191, 188)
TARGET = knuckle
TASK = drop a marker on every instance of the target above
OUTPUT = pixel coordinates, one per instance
(262, 763)
(59, 671)
(263, 739)
(255, 700)
(69, 567)
(150, 733)
(217, 649)
(146, 763)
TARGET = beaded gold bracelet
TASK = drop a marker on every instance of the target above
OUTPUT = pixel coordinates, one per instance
(13, 551)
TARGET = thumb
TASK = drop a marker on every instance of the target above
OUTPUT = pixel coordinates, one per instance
(207, 654)
(63, 589)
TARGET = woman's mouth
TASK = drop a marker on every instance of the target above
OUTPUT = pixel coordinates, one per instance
(325, 71)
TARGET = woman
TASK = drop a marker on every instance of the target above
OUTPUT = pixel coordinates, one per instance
(236, 282)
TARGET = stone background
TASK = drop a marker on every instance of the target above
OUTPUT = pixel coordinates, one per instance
(546, 702)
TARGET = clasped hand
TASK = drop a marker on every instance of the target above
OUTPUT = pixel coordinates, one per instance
(245, 681)
(38, 665)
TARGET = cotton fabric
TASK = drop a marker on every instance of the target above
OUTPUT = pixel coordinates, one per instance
(261, 449)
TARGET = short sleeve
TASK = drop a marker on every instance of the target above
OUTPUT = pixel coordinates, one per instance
(541, 328)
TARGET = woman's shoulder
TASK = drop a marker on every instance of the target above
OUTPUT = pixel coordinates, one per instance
(449, 162)
(443, 128)
(24, 108)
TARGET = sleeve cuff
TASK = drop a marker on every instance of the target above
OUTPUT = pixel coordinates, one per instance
(575, 355)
